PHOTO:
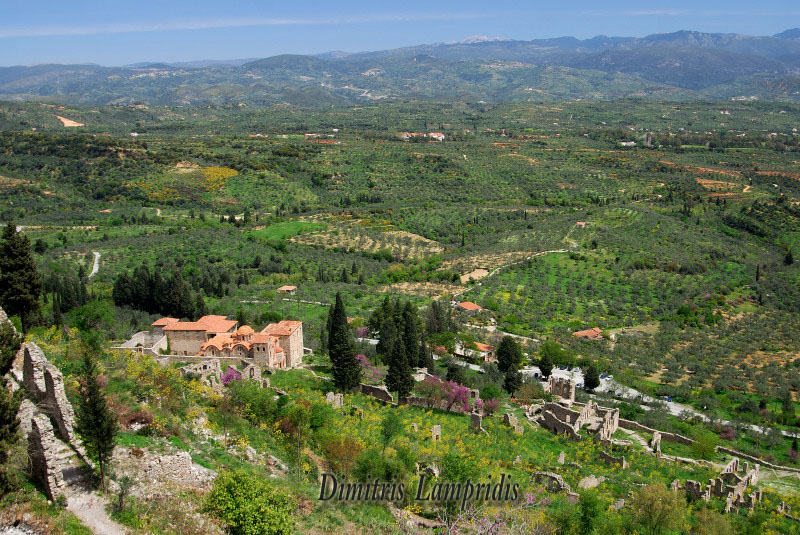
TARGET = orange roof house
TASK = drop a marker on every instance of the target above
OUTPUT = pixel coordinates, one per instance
(594, 333)
(163, 322)
(287, 289)
(469, 306)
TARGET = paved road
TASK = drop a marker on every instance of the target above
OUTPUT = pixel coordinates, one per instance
(96, 265)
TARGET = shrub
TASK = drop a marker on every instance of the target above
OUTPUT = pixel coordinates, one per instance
(249, 505)
(490, 406)
(459, 468)
(491, 391)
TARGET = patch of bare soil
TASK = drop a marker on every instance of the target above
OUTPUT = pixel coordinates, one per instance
(488, 262)
(475, 274)
(424, 289)
(69, 122)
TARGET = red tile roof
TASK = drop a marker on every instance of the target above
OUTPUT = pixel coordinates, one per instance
(217, 324)
(592, 333)
(467, 305)
(282, 328)
(186, 326)
(287, 288)
(160, 322)
(484, 347)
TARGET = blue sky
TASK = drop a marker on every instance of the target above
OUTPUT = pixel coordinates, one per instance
(115, 33)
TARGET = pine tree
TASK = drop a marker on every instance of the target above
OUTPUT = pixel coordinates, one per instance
(591, 379)
(399, 377)
(346, 369)
(509, 355)
(9, 402)
(20, 283)
(789, 258)
(95, 422)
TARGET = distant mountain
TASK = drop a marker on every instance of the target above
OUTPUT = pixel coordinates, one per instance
(678, 65)
(794, 33)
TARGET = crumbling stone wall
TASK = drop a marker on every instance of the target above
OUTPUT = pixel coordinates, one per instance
(380, 393)
(553, 423)
(43, 453)
(619, 461)
(669, 437)
(476, 422)
(562, 387)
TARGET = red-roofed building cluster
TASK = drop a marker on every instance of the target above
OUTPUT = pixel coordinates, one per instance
(278, 345)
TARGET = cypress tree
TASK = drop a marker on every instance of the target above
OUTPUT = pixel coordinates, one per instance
(20, 283)
(346, 369)
(509, 355)
(399, 377)
(58, 319)
(410, 334)
(95, 422)
(387, 339)
(513, 381)
(546, 365)
(9, 402)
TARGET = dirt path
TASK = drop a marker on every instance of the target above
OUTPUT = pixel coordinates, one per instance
(96, 265)
(90, 509)
(746, 189)
(636, 437)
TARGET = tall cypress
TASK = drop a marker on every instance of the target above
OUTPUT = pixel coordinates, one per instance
(346, 369)
(399, 377)
(95, 422)
(387, 339)
(411, 335)
(20, 283)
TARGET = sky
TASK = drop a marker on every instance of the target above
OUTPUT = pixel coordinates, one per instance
(119, 33)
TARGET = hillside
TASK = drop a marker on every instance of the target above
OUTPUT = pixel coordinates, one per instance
(681, 66)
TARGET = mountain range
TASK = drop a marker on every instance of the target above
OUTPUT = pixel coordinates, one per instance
(683, 65)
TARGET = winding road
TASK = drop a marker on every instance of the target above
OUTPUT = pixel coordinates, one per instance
(96, 265)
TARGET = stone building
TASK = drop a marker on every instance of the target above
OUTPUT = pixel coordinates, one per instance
(278, 345)
(188, 337)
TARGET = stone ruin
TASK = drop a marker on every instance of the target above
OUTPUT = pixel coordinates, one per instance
(476, 422)
(47, 420)
(731, 485)
(562, 387)
(510, 420)
(334, 400)
(655, 443)
(149, 469)
(619, 461)
(554, 483)
(600, 421)
(436, 433)
(415, 427)
(562, 458)
(381, 393)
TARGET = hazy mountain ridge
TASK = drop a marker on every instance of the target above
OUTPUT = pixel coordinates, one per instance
(681, 65)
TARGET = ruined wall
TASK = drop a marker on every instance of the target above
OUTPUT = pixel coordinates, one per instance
(553, 423)
(756, 460)
(561, 412)
(669, 437)
(378, 392)
(620, 461)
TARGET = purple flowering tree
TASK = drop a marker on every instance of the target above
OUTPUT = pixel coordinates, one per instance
(230, 375)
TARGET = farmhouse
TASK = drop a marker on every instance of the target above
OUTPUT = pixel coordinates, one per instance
(483, 352)
(594, 333)
(469, 306)
(287, 289)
